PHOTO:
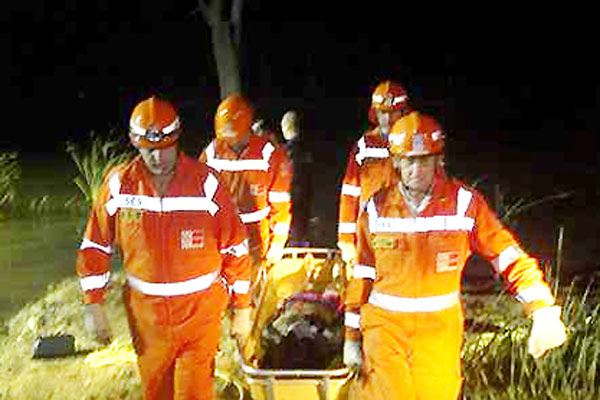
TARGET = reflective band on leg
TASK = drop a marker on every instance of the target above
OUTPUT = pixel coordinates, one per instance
(241, 287)
(413, 304)
(88, 244)
(537, 292)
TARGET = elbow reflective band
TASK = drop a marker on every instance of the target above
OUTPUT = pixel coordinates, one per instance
(456, 222)
(413, 304)
(223, 164)
(279, 197)
(255, 216)
(281, 228)
(350, 190)
(162, 204)
(237, 250)
(364, 271)
(94, 281)
(347, 227)
(173, 288)
(352, 320)
(88, 244)
(241, 287)
(506, 258)
(537, 292)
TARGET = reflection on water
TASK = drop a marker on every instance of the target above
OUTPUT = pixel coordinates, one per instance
(34, 253)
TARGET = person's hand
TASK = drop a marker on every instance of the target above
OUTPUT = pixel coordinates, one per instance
(241, 324)
(353, 355)
(547, 331)
(349, 254)
(96, 322)
(275, 253)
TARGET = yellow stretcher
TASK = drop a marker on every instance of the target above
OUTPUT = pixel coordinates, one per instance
(315, 269)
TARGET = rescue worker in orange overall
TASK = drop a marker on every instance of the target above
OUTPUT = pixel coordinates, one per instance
(258, 174)
(369, 166)
(404, 320)
(183, 248)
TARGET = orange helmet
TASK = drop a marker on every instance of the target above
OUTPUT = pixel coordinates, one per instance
(234, 113)
(416, 134)
(388, 96)
(154, 124)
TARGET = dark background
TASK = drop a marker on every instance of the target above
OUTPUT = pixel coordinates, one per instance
(516, 88)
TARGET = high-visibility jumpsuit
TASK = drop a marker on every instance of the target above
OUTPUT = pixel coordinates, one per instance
(182, 253)
(259, 179)
(404, 300)
(368, 169)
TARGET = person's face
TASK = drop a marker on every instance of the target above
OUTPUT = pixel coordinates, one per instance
(160, 161)
(288, 127)
(417, 172)
(234, 140)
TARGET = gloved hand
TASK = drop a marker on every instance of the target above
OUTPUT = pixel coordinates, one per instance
(241, 324)
(275, 252)
(353, 354)
(547, 332)
(348, 252)
(96, 322)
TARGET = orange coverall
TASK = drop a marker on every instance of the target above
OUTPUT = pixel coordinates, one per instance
(404, 299)
(178, 251)
(368, 169)
(259, 179)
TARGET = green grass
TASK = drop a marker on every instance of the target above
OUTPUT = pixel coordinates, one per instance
(496, 362)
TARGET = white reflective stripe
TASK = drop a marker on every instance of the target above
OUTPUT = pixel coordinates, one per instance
(172, 127)
(421, 224)
(351, 190)
(255, 216)
(241, 287)
(279, 197)
(223, 164)
(237, 250)
(463, 200)
(456, 222)
(173, 288)
(88, 244)
(364, 271)
(537, 292)
(413, 304)
(347, 227)
(281, 228)
(369, 152)
(352, 320)
(94, 281)
(506, 258)
(379, 99)
(166, 204)
(189, 204)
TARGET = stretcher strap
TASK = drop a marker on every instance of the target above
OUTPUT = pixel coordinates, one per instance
(198, 284)
(413, 304)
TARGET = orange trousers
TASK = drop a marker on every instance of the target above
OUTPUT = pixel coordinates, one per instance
(411, 356)
(176, 341)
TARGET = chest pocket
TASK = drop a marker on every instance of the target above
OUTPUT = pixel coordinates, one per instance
(447, 250)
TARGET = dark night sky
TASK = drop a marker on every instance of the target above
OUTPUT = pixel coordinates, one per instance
(517, 90)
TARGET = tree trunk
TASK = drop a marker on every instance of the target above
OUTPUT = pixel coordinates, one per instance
(225, 47)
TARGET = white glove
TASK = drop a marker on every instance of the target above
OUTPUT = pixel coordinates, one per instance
(353, 354)
(275, 253)
(547, 332)
(240, 324)
(348, 252)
